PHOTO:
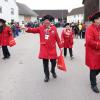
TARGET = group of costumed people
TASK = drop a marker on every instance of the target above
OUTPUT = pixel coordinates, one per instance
(48, 50)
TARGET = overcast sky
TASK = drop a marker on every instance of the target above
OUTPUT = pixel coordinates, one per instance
(52, 4)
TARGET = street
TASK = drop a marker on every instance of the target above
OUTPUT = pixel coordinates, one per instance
(21, 77)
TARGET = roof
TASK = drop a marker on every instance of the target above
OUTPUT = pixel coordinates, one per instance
(76, 11)
(54, 13)
(25, 10)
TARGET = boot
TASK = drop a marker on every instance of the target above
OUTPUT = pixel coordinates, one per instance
(95, 89)
(46, 79)
(54, 75)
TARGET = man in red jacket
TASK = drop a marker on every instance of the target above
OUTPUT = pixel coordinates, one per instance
(5, 33)
(48, 39)
(93, 49)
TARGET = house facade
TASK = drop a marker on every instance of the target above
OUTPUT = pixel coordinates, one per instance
(57, 14)
(26, 14)
(76, 15)
(9, 10)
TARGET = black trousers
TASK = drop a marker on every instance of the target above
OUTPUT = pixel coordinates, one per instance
(80, 34)
(70, 52)
(46, 66)
(5, 51)
(76, 35)
(93, 74)
(83, 35)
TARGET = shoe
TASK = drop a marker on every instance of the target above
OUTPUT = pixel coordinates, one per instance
(8, 57)
(65, 56)
(46, 79)
(4, 58)
(72, 58)
(54, 75)
(95, 89)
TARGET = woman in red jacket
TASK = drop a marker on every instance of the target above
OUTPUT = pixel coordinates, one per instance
(67, 40)
(5, 33)
(48, 39)
(93, 49)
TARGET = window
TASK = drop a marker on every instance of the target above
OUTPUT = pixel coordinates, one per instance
(0, 9)
(12, 11)
(74, 16)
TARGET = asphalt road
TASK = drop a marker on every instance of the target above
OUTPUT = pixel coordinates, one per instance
(21, 77)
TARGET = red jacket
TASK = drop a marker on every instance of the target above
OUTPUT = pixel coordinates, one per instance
(67, 38)
(4, 36)
(47, 46)
(93, 47)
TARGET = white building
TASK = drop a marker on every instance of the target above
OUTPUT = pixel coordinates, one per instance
(76, 15)
(26, 14)
(9, 10)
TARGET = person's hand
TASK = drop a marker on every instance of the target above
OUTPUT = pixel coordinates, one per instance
(24, 28)
(60, 52)
(61, 49)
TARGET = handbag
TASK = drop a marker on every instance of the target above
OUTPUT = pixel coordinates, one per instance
(11, 41)
(61, 63)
